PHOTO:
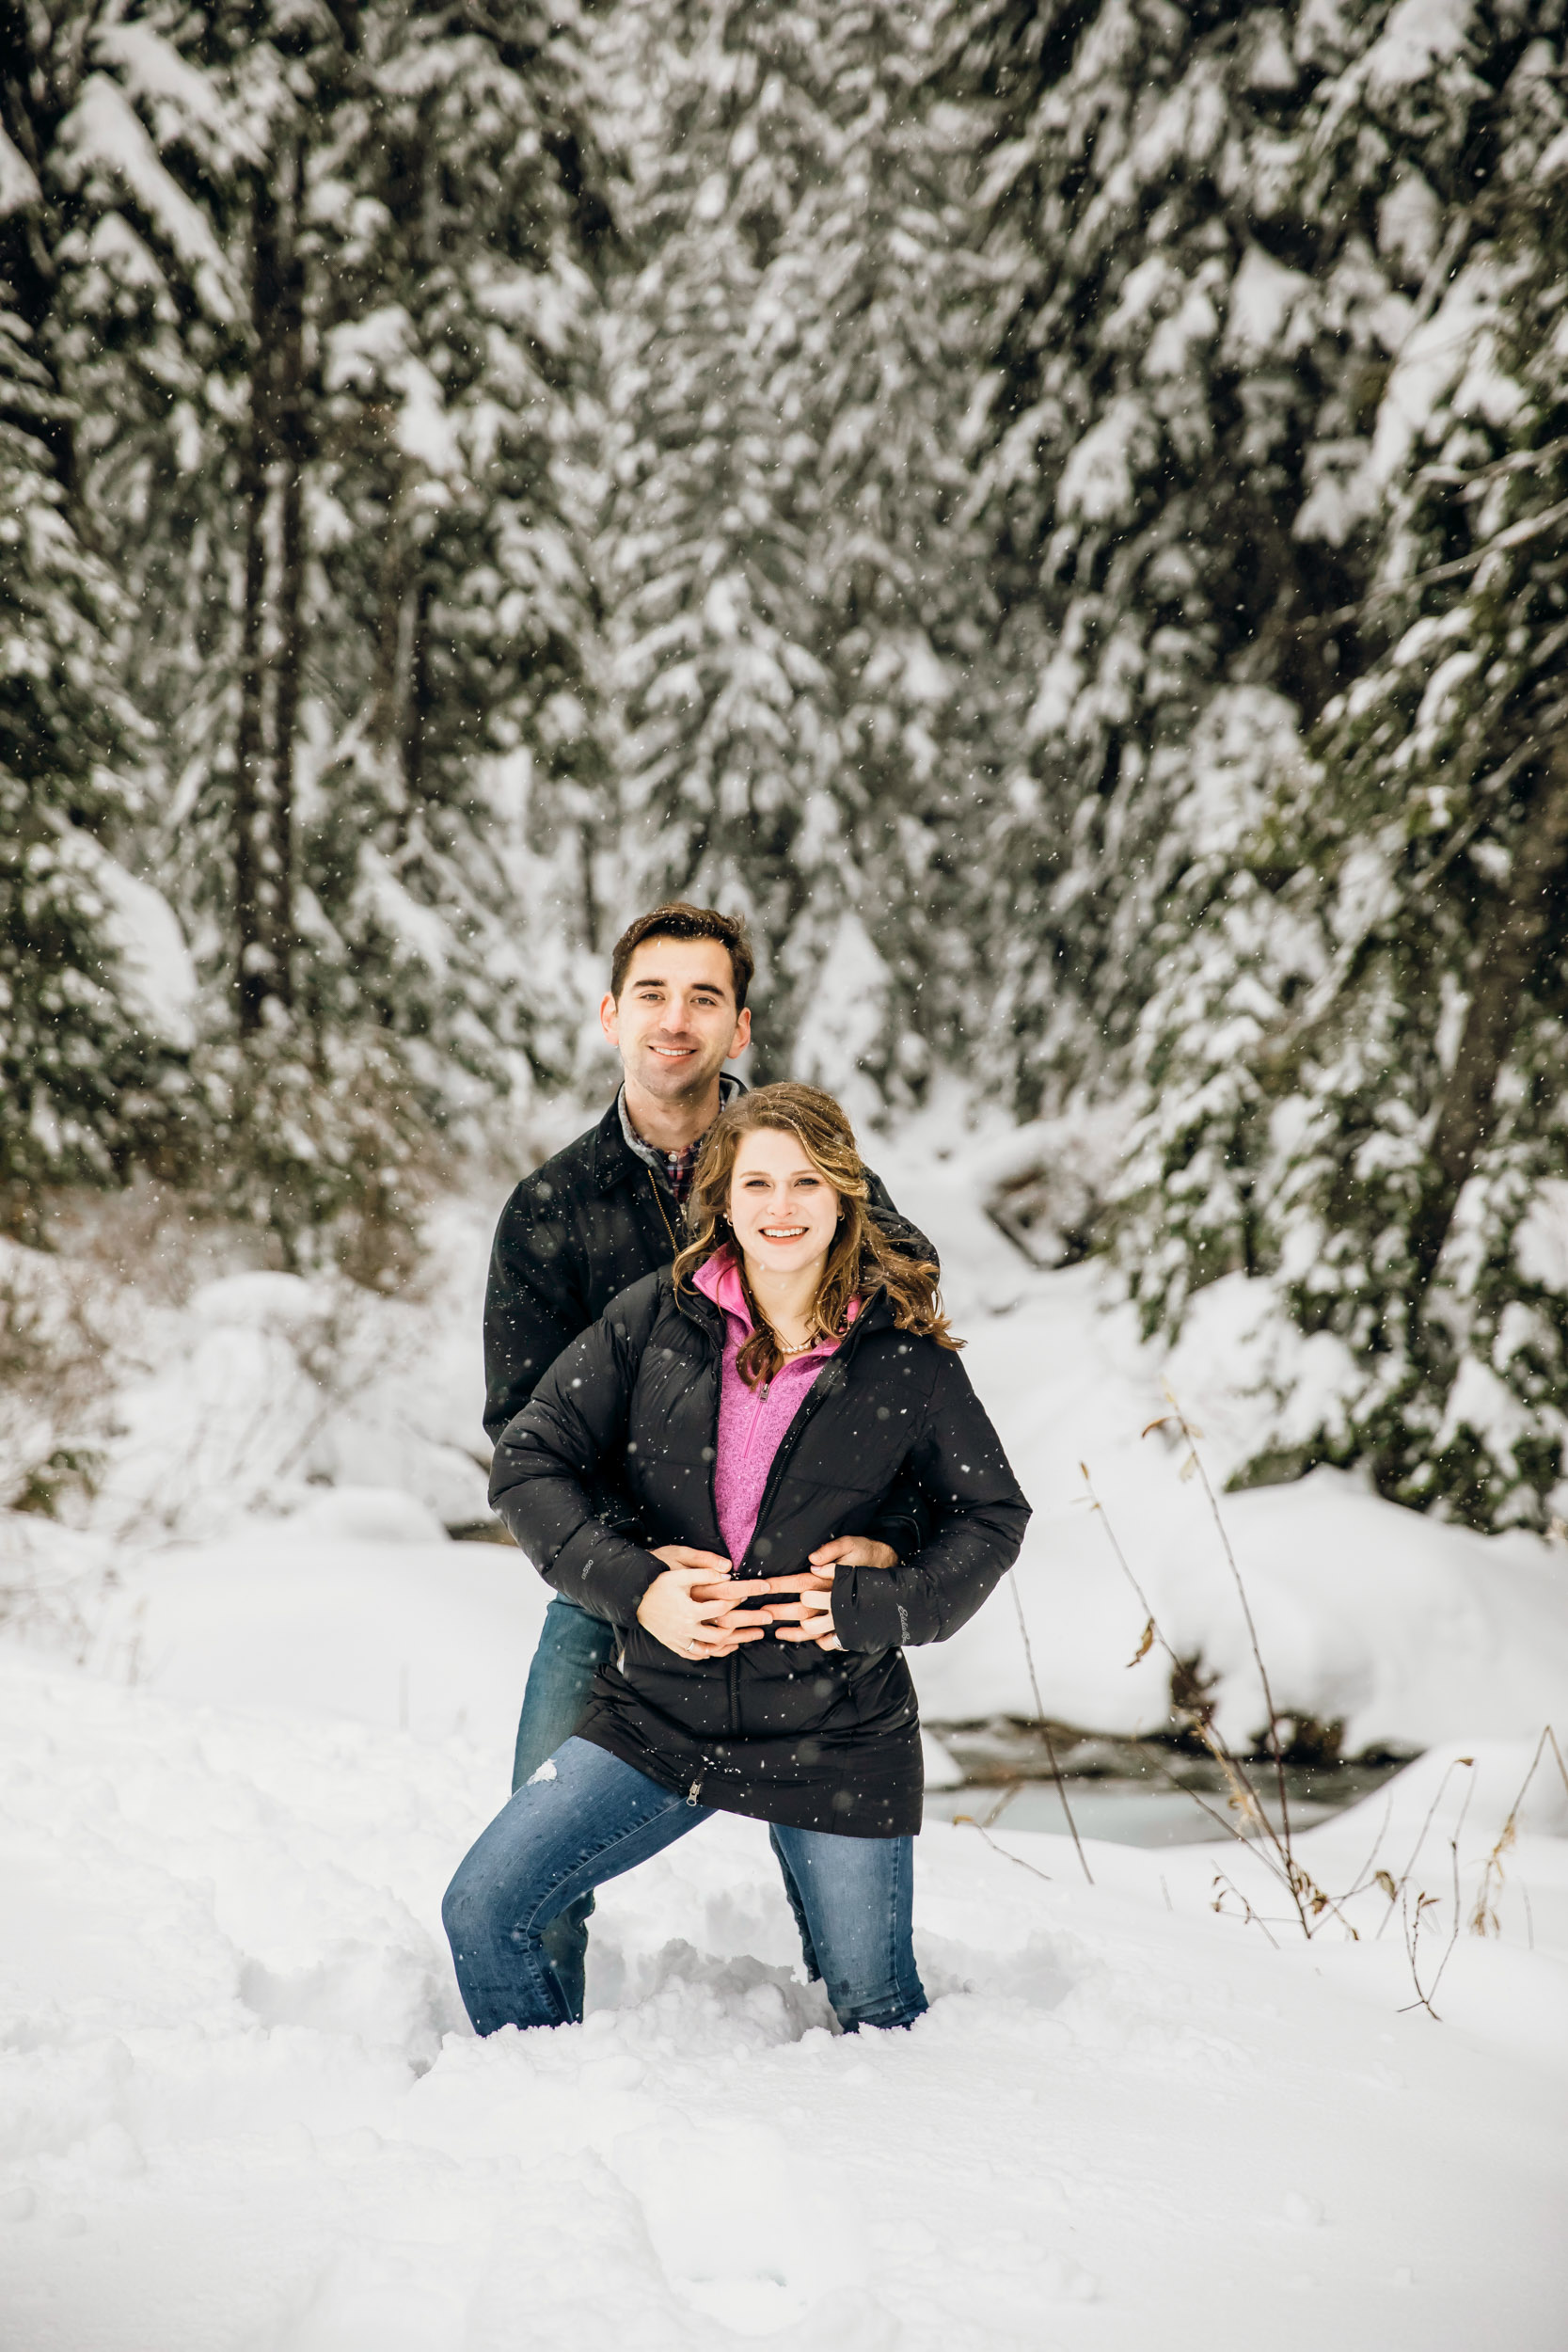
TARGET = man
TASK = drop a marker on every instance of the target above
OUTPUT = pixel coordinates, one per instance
(599, 1216)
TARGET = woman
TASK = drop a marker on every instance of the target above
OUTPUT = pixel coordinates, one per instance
(759, 1398)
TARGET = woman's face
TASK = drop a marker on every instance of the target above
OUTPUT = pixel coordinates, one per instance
(783, 1208)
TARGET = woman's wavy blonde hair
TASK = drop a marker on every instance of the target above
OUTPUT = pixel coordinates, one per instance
(862, 1261)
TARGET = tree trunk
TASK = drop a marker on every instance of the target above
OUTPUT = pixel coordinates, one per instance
(1467, 1112)
(394, 641)
(400, 694)
(419, 694)
(270, 498)
(291, 452)
(250, 818)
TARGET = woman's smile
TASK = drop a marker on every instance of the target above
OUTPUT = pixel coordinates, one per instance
(783, 1208)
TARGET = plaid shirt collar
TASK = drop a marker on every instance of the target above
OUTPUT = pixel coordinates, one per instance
(676, 1168)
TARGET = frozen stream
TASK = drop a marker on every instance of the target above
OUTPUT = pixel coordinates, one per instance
(1132, 1792)
(1125, 1812)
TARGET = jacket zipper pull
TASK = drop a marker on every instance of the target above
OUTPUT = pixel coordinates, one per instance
(691, 1793)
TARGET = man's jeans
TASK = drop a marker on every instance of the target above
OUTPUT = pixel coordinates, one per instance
(572, 1648)
(585, 1817)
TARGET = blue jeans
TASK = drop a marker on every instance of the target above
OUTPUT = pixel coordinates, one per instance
(572, 1648)
(586, 1817)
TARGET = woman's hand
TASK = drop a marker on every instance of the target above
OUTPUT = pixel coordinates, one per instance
(711, 1626)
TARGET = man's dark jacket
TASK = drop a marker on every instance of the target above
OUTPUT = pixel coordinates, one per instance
(575, 1234)
(808, 1738)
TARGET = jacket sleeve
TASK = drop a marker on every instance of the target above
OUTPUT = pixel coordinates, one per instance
(532, 1308)
(977, 1518)
(553, 1457)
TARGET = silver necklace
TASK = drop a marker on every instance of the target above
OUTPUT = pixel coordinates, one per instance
(786, 1352)
(791, 1351)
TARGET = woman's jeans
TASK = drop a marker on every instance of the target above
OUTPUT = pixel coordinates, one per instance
(572, 1648)
(585, 1817)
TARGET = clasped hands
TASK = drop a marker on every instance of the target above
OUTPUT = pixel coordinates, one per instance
(695, 1607)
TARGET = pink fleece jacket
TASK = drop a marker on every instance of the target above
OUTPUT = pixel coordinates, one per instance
(752, 1421)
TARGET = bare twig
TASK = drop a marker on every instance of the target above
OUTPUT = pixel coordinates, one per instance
(1243, 1795)
(1458, 1908)
(1394, 1887)
(1365, 1877)
(1412, 1930)
(1483, 1918)
(1192, 1436)
(1250, 1917)
(1152, 1621)
(1426, 1996)
(967, 1820)
(1045, 1727)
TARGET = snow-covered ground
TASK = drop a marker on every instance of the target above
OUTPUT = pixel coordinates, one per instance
(240, 2107)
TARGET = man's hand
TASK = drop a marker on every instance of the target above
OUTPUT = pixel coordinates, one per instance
(853, 1552)
(711, 1626)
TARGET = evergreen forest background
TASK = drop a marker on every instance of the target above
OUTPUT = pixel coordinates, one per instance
(1057, 511)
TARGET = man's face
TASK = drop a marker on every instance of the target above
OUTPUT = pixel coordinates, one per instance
(675, 1024)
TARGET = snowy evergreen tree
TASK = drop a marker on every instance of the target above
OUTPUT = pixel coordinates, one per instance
(1191, 321)
(730, 743)
(1434, 1170)
(352, 615)
(87, 1086)
(455, 816)
(1351, 1063)
(870, 318)
(83, 1090)
(796, 606)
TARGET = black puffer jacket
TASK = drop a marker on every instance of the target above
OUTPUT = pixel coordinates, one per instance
(575, 1234)
(810, 1737)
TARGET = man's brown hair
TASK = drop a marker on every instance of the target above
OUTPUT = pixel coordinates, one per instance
(677, 919)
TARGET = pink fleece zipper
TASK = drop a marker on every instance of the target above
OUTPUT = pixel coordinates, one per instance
(752, 1421)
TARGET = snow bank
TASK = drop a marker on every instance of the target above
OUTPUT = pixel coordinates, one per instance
(243, 1392)
(357, 1606)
